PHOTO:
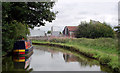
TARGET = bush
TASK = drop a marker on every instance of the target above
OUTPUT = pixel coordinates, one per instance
(94, 29)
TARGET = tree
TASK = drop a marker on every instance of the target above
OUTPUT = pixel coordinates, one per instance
(17, 17)
(31, 13)
(94, 29)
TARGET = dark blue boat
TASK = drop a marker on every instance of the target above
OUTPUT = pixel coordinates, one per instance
(23, 48)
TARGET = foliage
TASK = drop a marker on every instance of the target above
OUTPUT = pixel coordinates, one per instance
(12, 32)
(94, 29)
(32, 13)
(17, 17)
(60, 32)
(49, 32)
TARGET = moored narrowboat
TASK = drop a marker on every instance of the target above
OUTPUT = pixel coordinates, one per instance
(23, 48)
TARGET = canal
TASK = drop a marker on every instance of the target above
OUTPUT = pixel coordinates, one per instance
(52, 59)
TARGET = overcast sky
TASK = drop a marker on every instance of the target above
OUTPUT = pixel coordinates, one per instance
(72, 12)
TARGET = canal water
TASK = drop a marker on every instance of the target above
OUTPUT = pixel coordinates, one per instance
(52, 59)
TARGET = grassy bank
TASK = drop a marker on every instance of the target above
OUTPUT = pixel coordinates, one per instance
(102, 49)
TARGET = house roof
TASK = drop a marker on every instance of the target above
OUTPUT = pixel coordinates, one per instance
(72, 28)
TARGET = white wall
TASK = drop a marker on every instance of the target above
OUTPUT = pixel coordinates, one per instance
(55, 33)
(37, 33)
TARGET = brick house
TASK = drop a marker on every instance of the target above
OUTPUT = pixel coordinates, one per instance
(69, 31)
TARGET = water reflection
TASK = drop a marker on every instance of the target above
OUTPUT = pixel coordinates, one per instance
(21, 62)
(70, 58)
(51, 59)
(17, 63)
(55, 59)
(83, 62)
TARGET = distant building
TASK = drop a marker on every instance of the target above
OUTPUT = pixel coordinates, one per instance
(55, 33)
(69, 31)
(37, 32)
